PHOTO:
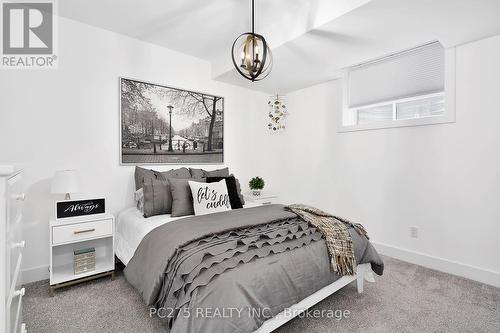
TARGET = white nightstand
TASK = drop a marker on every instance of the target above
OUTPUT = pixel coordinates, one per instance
(263, 199)
(76, 233)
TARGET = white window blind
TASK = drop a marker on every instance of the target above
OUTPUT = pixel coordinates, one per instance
(416, 72)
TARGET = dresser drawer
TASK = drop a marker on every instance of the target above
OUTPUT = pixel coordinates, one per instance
(15, 198)
(254, 201)
(15, 310)
(81, 231)
(14, 248)
(15, 277)
(14, 300)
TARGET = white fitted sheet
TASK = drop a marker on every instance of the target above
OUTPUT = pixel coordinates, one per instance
(131, 227)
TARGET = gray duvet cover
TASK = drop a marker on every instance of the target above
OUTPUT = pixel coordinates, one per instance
(231, 271)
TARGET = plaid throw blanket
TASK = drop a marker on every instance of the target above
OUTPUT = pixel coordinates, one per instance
(338, 239)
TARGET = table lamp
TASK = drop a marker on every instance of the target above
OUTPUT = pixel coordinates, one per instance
(65, 182)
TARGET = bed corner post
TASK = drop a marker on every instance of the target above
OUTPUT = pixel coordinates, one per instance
(360, 277)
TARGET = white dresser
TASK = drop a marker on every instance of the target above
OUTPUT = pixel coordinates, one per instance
(11, 248)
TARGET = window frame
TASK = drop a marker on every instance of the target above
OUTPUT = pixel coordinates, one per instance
(449, 116)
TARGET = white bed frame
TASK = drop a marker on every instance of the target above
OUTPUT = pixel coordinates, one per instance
(296, 309)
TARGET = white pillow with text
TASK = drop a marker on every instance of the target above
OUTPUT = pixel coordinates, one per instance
(209, 198)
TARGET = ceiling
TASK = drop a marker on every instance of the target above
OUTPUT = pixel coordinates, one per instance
(311, 40)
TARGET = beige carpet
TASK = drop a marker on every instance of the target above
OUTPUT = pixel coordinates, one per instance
(408, 298)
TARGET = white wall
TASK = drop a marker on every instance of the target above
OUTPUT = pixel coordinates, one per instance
(69, 118)
(444, 179)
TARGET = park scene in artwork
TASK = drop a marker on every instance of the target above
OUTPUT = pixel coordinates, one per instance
(161, 124)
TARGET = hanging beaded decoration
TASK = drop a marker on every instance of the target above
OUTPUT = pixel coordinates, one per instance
(277, 113)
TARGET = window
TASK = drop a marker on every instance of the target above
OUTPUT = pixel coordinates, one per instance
(414, 87)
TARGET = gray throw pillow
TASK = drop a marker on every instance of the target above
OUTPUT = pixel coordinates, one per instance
(200, 173)
(181, 173)
(182, 200)
(145, 176)
(157, 198)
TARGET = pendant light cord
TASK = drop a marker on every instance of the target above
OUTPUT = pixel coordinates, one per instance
(253, 17)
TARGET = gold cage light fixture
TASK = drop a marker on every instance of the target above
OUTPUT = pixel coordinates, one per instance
(251, 54)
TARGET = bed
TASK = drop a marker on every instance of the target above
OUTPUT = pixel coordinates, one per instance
(245, 270)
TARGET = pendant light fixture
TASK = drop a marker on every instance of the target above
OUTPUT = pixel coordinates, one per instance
(251, 54)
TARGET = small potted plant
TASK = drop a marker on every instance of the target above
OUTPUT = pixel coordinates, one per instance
(256, 185)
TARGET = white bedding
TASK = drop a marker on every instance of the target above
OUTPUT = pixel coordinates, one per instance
(131, 227)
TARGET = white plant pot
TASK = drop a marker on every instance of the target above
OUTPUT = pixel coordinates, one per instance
(256, 193)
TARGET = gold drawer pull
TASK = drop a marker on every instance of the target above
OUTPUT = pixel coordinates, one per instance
(83, 231)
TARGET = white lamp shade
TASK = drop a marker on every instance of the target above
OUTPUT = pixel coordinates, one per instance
(66, 181)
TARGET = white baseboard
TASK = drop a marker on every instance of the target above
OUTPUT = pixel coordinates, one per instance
(440, 264)
(35, 274)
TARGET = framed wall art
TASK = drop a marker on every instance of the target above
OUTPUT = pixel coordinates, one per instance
(166, 125)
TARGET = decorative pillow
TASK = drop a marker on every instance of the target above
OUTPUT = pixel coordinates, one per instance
(181, 173)
(210, 198)
(238, 189)
(145, 176)
(232, 190)
(182, 200)
(200, 173)
(157, 198)
(139, 199)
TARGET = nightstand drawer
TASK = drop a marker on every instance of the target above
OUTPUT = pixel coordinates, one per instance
(80, 231)
(262, 200)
